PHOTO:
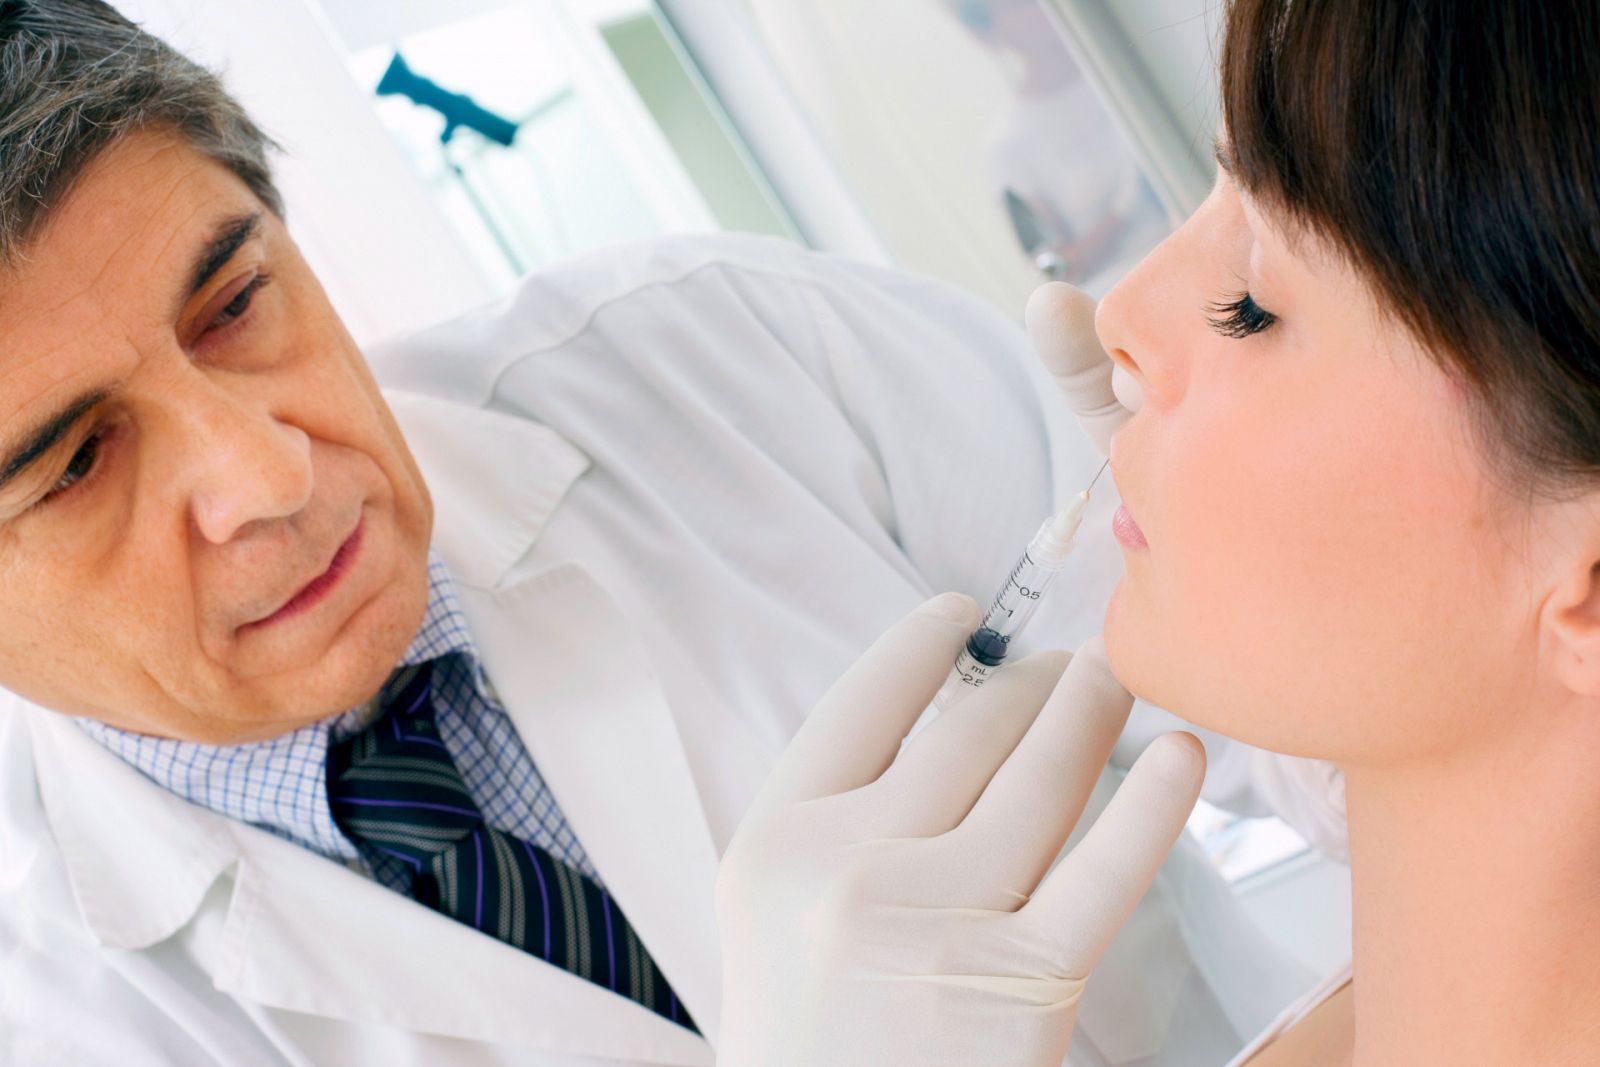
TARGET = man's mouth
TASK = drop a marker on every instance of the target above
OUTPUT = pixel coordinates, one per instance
(319, 587)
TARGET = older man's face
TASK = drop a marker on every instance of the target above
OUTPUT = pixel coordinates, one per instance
(210, 526)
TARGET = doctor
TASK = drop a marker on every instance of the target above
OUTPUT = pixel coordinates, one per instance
(407, 727)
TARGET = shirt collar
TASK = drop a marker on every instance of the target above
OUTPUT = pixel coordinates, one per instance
(279, 784)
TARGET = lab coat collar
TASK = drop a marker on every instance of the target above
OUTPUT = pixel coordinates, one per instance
(139, 858)
(495, 480)
(575, 680)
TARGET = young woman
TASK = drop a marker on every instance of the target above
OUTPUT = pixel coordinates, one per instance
(1377, 460)
(1362, 496)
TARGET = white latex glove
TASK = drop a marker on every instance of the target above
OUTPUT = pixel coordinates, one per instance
(876, 915)
(1306, 794)
(1103, 396)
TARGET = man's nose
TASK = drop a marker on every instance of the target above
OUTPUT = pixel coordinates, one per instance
(247, 465)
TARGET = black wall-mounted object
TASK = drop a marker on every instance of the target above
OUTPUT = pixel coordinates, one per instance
(458, 109)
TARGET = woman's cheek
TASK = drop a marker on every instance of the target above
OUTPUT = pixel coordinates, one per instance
(1246, 574)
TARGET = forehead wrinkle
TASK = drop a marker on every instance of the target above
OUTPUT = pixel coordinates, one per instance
(18, 370)
(100, 276)
(163, 222)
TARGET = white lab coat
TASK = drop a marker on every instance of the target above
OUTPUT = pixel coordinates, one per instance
(681, 486)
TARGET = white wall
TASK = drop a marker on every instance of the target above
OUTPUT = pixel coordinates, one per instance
(910, 144)
(723, 41)
(364, 23)
(363, 221)
(1155, 61)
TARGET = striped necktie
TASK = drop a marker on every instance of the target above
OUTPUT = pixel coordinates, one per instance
(395, 790)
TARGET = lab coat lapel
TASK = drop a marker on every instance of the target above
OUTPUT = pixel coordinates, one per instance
(578, 684)
(278, 926)
(372, 955)
(574, 678)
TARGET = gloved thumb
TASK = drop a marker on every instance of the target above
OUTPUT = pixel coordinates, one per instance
(1060, 321)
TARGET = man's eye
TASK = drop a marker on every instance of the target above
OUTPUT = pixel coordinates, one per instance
(79, 467)
(1240, 316)
(234, 309)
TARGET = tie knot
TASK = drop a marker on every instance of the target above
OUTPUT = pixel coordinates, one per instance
(406, 694)
(394, 786)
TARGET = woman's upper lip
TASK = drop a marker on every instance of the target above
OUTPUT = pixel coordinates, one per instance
(1116, 471)
(1116, 476)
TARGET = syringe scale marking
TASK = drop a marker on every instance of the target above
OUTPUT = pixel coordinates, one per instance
(1044, 558)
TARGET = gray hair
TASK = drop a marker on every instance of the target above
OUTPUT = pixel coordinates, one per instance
(75, 76)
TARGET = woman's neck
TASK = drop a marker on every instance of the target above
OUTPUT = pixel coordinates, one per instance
(1477, 902)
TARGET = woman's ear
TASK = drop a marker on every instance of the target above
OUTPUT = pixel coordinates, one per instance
(1572, 630)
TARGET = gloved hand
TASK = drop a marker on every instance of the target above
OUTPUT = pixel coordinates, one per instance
(1103, 396)
(880, 911)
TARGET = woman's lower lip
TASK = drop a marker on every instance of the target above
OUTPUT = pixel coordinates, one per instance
(1126, 530)
(323, 584)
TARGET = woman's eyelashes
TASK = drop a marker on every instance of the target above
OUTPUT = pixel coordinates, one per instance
(1239, 316)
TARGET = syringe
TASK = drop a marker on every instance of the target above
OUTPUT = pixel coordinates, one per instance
(1023, 592)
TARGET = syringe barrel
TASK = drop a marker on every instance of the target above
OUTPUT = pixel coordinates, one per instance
(1019, 598)
(986, 649)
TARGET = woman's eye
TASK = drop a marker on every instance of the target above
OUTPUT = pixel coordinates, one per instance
(1239, 317)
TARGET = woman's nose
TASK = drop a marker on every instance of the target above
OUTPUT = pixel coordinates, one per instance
(1138, 323)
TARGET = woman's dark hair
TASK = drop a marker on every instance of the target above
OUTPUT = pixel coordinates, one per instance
(1451, 151)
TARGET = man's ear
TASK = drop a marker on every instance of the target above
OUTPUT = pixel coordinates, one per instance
(1571, 626)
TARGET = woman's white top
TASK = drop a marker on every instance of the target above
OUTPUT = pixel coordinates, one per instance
(1293, 1014)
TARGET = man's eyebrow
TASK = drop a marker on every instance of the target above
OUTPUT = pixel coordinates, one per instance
(230, 235)
(36, 442)
(1224, 155)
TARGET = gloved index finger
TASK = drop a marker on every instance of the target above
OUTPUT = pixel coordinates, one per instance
(853, 733)
(1037, 796)
(1060, 322)
(1093, 890)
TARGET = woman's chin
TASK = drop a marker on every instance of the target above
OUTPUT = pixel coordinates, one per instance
(1126, 645)
(1141, 656)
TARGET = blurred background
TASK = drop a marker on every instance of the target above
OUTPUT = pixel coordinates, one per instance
(435, 152)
